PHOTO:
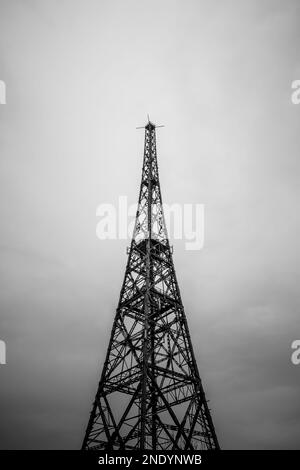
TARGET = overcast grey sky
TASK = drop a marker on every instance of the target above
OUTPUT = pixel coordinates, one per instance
(80, 76)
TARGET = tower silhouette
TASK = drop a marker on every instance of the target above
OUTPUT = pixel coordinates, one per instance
(150, 394)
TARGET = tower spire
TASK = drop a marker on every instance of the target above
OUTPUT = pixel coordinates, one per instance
(150, 394)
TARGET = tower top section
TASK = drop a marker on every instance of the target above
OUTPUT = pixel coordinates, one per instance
(150, 126)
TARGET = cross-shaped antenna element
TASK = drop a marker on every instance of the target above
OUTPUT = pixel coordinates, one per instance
(149, 123)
